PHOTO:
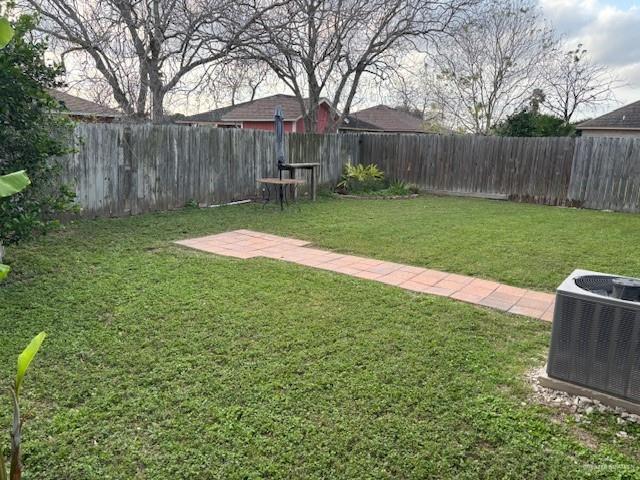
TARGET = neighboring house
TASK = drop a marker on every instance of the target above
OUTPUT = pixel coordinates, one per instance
(258, 115)
(382, 119)
(83, 110)
(623, 122)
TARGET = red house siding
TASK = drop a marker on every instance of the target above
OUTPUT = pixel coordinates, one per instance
(268, 126)
(323, 120)
(321, 127)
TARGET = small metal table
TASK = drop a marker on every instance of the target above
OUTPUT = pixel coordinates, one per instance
(292, 167)
(279, 184)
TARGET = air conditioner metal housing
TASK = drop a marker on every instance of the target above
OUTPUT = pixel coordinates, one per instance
(595, 340)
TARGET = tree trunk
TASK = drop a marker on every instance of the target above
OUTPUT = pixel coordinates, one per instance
(313, 100)
(311, 119)
(157, 95)
(157, 110)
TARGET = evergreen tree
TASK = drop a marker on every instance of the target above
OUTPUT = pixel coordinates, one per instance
(33, 133)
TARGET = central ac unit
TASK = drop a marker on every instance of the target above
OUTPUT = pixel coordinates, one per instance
(595, 340)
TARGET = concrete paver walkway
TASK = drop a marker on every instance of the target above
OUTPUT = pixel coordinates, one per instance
(249, 244)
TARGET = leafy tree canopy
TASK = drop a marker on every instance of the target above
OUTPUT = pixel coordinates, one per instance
(529, 123)
(32, 134)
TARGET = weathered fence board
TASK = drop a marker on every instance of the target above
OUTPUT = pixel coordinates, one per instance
(526, 169)
(606, 174)
(130, 169)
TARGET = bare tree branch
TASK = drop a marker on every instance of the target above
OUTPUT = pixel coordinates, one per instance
(324, 48)
(488, 67)
(145, 49)
(574, 82)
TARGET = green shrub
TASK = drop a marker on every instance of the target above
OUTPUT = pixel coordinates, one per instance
(526, 123)
(32, 134)
(361, 178)
(370, 180)
(398, 187)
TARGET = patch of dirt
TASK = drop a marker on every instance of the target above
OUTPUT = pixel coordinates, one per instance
(378, 197)
(155, 249)
(586, 438)
(107, 318)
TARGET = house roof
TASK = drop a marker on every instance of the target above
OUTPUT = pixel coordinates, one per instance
(261, 109)
(212, 115)
(349, 122)
(624, 118)
(388, 119)
(81, 107)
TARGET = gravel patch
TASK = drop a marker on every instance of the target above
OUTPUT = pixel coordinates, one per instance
(581, 407)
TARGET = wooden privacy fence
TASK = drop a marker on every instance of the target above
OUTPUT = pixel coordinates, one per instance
(120, 170)
(606, 174)
(591, 172)
(129, 169)
(526, 169)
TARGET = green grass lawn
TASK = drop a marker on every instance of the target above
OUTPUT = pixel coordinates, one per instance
(167, 363)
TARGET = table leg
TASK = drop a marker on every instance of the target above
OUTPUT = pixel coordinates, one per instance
(292, 174)
(281, 197)
(266, 195)
(314, 184)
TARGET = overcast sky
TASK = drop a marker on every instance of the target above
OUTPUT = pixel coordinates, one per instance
(609, 30)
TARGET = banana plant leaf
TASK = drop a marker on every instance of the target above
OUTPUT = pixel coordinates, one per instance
(26, 357)
(4, 271)
(13, 183)
(6, 32)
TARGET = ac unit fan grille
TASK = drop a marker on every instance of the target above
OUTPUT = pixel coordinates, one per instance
(599, 284)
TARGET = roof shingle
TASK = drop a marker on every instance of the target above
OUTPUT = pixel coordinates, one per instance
(260, 109)
(349, 122)
(212, 115)
(627, 117)
(80, 106)
(389, 119)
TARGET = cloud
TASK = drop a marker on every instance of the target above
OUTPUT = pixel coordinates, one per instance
(614, 36)
(609, 31)
(570, 16)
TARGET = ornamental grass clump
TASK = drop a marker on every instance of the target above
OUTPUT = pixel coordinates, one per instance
(370, 181)
(361, 179)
